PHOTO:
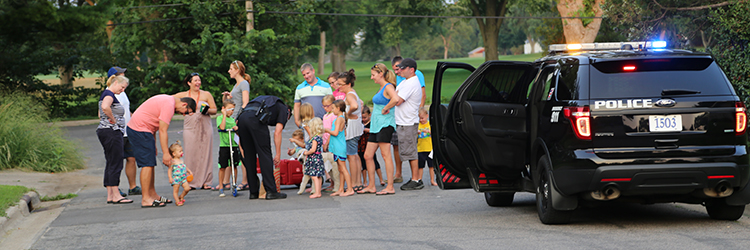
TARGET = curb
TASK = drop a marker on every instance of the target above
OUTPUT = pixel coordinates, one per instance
(27, 204)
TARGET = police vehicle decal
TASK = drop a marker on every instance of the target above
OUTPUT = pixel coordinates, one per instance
(555, 113)
(623, 104)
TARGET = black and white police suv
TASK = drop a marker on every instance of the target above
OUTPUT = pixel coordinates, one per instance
(595, 123)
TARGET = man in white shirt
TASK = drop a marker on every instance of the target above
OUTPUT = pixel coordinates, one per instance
(409, 96)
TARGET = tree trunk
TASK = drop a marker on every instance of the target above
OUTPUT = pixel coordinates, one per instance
(706, 40)
(395, 51)
(489, 38)
(338, 58)
(573, 29)
(532, 43)
(250, 16)
(66, 75)
(490, 27)
(322, 53)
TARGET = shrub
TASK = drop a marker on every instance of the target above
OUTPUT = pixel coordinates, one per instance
(28, 141)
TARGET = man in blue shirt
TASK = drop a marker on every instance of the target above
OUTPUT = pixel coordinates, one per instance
(312, 91)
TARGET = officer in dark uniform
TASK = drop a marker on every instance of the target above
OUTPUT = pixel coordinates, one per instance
(261, 112)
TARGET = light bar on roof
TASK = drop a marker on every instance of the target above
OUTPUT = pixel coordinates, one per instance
(608, 46)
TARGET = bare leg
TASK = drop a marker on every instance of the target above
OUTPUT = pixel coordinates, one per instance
(355, 168)
(370, 165)
(385, 151)
(176, 193)
(185, 191)
(346, 178)
(147, 180)
(317, 183)
(130, 171)
(397, 158)
(432, 176)
(380, 176)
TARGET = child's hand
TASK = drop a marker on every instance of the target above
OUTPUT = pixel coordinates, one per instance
(235, 128)
(224, 112)
(290, 151)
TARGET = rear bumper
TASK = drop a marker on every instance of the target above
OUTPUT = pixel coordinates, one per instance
(681, 178)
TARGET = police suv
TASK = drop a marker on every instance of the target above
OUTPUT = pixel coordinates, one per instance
(595, 123)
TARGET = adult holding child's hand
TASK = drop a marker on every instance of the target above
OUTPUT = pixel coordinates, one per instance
(198, 133)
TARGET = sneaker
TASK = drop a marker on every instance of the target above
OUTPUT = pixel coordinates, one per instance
(410, 185)
(420, 185)
(122, 193)
(135, 191)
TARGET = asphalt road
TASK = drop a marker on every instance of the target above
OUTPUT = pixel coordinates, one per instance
(426, 219)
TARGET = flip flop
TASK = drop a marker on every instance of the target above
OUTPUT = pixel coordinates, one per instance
(380, 193)
(155, 204)
(121, 201)
(164, 200)
(358, 188)
(365, 192)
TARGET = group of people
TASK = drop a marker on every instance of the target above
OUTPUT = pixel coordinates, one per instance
(335, 126)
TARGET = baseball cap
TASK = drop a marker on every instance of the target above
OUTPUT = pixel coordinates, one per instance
(115, 70)
(408, 62)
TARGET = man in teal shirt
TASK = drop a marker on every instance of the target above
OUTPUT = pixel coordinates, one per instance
(312, 91)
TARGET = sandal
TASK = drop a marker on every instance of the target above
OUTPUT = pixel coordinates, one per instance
(227, 186)
(358, 188)
(121, 201)
(164, 200)
(180, 203)
(243, 187)
(155, 204)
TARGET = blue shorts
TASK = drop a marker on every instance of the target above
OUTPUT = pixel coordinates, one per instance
(128, 148)
(144, 147)
(339, 158)
(351, 146)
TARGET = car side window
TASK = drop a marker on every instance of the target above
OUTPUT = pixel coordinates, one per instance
(569, 84)
(547, 80)
(499, 84)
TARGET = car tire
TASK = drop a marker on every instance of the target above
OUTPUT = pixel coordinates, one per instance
(719, 210)
(498, 199)
(547, 214)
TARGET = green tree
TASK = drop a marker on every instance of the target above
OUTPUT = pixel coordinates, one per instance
(161, 54)
(732, 46)
(38, 37)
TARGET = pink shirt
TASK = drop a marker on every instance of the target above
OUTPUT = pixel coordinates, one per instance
(157, 108)
(337, 95)
(328, 120)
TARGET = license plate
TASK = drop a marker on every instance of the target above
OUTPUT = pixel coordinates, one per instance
(665, 123)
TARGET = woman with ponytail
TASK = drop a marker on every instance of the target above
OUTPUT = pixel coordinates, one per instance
(198, 133)
(382, 127)
(240, 96)
(354, 127)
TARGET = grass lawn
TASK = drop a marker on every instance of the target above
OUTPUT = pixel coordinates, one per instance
(452, 79)
(9, 196)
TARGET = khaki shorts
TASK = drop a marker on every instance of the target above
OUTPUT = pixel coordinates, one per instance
(407, 141)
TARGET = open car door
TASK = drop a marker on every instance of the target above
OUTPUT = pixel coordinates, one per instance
(450, 167)
(482, 133)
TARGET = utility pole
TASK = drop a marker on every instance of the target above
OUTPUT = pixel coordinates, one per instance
(250, 17)
(322, 53)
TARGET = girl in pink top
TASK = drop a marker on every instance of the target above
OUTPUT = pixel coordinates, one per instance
(328, 120)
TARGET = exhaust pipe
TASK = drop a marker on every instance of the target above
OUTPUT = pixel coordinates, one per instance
(609, 192)
(722, 189)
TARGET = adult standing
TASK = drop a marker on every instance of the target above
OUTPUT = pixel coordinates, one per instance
(311, 91)
(354, 127)
(382, 127)
(198, 133)
(407, 120)
(240, 96)
(396, 70)
(153, 115)
(261, 112)
(109, 132)
(130, 169)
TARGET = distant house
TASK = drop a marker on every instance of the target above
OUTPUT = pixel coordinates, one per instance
(478, 52)
(528, 49)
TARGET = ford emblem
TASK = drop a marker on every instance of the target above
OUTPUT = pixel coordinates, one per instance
(665, 103)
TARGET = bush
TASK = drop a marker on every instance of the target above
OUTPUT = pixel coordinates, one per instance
(28, 141)
(732, 48)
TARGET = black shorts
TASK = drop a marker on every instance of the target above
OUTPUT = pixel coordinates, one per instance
(224, 157)
(384, 135)
(424, 157)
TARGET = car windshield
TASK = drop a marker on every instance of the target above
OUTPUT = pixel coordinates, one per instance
(657, 77)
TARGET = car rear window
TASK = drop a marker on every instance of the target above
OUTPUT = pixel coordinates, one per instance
(649, 77)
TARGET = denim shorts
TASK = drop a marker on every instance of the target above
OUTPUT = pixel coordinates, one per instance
(351, 146)
(144, 148)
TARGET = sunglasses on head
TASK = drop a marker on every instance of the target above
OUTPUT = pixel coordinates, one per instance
(236, 64)
(194, 74)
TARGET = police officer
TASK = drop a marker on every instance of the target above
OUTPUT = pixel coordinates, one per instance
(261, 112)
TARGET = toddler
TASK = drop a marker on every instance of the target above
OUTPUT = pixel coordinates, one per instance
(298, 144)
(314, 162)
(424, 145)
(178, 174)
(228, 147)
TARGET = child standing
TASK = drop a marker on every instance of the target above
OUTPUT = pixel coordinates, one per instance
(225, 122)
(306, 113)
(337, 145)
(424, 145)
(314, 161)
(331, 166)
(366, 113)
(178, 174)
